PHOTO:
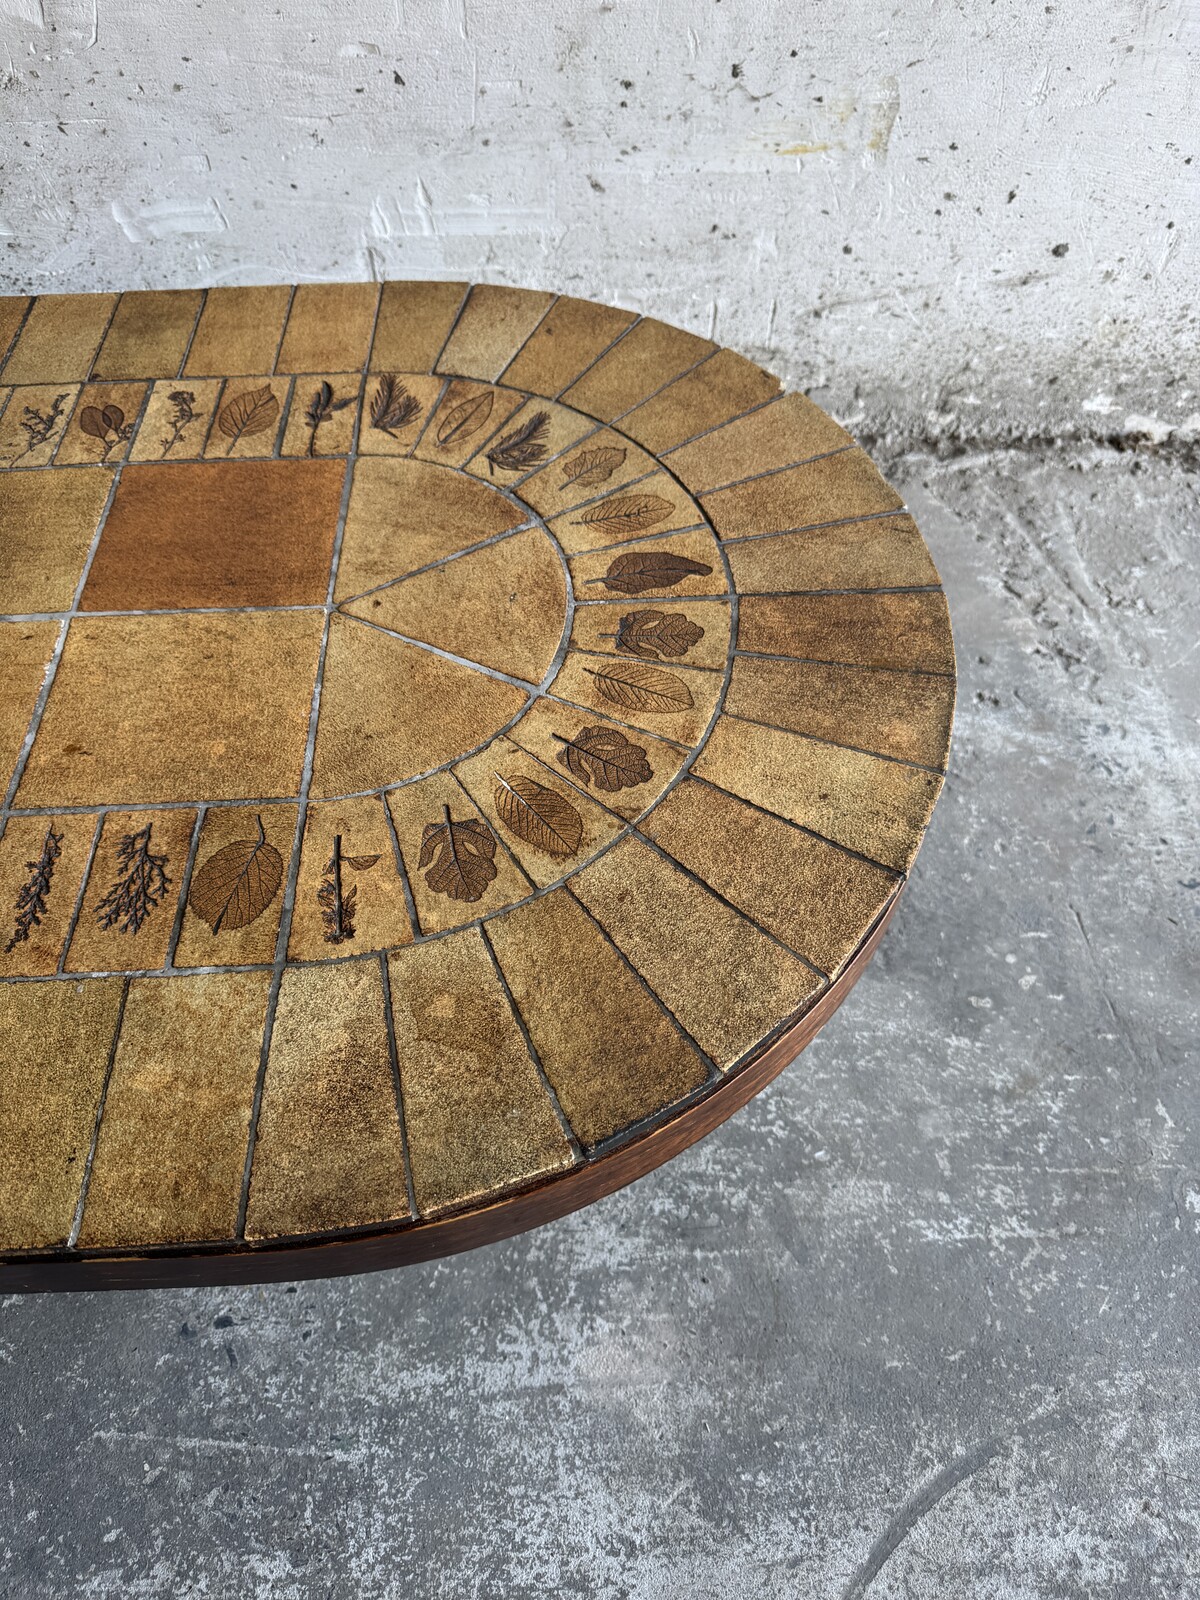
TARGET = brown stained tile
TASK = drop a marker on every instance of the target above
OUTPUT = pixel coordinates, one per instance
(172, 1143)
(132, 893)
(47, 522)
(866, 630)
(12, 314)
(249, 419)
(390, 710)
(322, 415)
(665, 698)
(33, 423)
(394, 411)
(178, 416)
(549, 825)
(658, 631)
(902, 714)
(504, 606)
(238, 873)
(549, 729)
(880, 553)
(239, 331)
(329, 327)
(357, 877)
(60, 338)
(469, 415)
(649, 356)
(721, 387)
(494, 325)
(827, 490)
(727, 982)
(186, 534)
(25, 651)
(414, 322)
(625, 571)
(479, 1118)
(879, 808)
(654, 505)
(413, 808)
(42, 862)
(405, 514)
(103, 423)
(610, 1052)
(536, 432)
(818, 899)
(57, 1038)
(602, 462)
(164, 708)
(790, 429)
(329, 1153)
(567, 340)
(149, 334)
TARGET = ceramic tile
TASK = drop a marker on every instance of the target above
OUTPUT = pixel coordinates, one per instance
(876, 807)
(127, 915)
(171, 708)
(59, 341)
(611, 1053)
(677, 702)
(905, 715)
(237, 887)
(47, 523)
(603, 461)
(817, 899)
(536, 432)
(42, 862)
(623, 768)
(246, 533)
(349, 892)
(329, 327)
(788, 430)
(322, 416)
(13, 310)
(468, 415)
(651, 569)
(866, 630)
(395, 409)
(172, 1141)
(726, 982)
(329, 1152)
(414, 323)
(33, 424)
(694, 634)
(25, 651)
(149, 334)
(572, 335)
(102, 424)
(479, 1118)
(494, 324)
(238, 332)
(56, 1045)
(249, 419)
(654, 504)
(718, 389)
(177, 420)
(880, 553)
(829, 489)
(650, 355)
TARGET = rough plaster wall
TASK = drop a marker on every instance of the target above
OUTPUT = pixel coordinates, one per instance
(961, 221)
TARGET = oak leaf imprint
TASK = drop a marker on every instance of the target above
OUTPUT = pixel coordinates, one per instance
(604, 756)
(655, 634)
(464, 852)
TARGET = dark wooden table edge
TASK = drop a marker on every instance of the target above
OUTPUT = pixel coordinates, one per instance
(466, 1230)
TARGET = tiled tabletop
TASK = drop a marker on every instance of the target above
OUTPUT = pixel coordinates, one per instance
(449, 736)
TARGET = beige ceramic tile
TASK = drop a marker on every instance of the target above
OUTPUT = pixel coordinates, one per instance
(494, 324)
(33, 423)
(880, 553)
(249, 419)
(866, 630)
(726, 981)
(414, 322)
(42, 862)
(57, 1038)
(102, 424)
(238, 882)
(650, 355)
(879, 808)
(818, 899)
(468, 415)
(322, 415)
(720, 388)
(25, 651)
(127, 916)
(178, 416)
(572, 335)
(329, 1153)
(601, 462)
(395, 409)
(651, 568)
(239, 331)
(479, 1118)
(695, 634)
(829, 489)
(329, 327)
(621, 767)
(676, 702)
(537, 432)
(656, 504)
(149, 334)
(390, 710)
(172, 1143)
(788, 430)
(610, 1052)
(349, 894)
(47, 523)
(60, 338)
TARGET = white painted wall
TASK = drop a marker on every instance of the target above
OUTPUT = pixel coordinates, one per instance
(971, 219)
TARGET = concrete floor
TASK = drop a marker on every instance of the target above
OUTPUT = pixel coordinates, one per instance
(922, 1321)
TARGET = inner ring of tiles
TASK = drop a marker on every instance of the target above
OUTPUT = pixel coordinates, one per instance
(449, 731)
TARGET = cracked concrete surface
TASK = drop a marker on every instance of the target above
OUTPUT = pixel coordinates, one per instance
(921, 1321)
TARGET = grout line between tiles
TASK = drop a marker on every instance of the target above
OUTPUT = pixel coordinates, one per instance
(397, 1083)
(86, 1180)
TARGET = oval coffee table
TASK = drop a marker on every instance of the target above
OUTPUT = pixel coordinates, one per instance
(459, 744)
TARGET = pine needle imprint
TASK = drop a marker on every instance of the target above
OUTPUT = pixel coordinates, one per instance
(523, 447)
(32, 896)
(392, 407)
(139, 890)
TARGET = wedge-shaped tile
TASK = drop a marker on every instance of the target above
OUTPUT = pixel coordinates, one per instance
(538, 432)
(249, 419)
(646, 358)
(724, 979)
(237, 887)
(494, 324)
(654, 504)
(42, 863)
(239, 331)
(622, 767)
(47, 523)
(867, 630)
(126, 919)
(829, 489)
(178, 416)
(57, 1041)
(25, 651)
(33, 424)
(571, 335)
(676, 702)
(329, 1153)
(467, 416)
(13, 310)
(322, 415)
(611, 1053)
(149, 334)
(102, 425)
(479, 1118)
(350, 894)
(396, 406)
(600, 462)
(329, 327)
(414, 323)
(59, 340)
(877, 807)
(693, 633)
(818, 899)
(788, 430)
(718, 389)
(877, 553)
(172, 1142)
(674, 564)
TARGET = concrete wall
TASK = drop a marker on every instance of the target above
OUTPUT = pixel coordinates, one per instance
(958, 222)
